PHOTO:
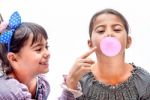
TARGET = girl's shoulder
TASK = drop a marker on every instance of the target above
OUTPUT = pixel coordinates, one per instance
(142, 81)
(12, 89)
(141, 74)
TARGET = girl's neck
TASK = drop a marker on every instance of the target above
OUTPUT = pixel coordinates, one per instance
(112, 71)
(29, 82)
(32, 87)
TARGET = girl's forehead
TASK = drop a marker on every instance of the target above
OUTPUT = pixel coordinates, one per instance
(30, 43)
(107, 18)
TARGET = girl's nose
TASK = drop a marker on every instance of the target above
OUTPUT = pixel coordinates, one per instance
(46, 54)
(109, 32)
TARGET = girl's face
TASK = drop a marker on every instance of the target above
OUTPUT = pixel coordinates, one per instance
(109, 25)
(33, 59)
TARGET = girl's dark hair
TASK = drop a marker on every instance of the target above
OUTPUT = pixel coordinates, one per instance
(20, 37)
(22, 34)
(4, 63)
(108, 11)
(1, 18)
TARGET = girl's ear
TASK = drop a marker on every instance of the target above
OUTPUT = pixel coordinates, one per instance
(129, 41)
(12, 58)
(90, 43)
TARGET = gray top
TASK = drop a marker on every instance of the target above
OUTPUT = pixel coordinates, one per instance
(137, 87)
(11, 89)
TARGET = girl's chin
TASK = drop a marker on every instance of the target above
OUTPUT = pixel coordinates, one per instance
(46, 70)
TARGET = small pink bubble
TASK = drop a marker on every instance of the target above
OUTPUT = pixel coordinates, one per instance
(110, 46)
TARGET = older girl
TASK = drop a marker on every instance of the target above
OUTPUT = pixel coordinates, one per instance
(110, 77)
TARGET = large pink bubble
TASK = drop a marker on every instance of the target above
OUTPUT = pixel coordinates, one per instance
(110, 46)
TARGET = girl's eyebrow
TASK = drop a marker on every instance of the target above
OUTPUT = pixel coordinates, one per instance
(38, 44)
(117, 25)
(98, 26)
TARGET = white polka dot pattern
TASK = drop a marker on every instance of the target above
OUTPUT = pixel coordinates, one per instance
(14, 22)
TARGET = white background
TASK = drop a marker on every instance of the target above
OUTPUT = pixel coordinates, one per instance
(67, 21)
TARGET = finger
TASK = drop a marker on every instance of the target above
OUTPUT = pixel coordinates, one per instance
(88, 53)
(85, 65)
(83, 70)
(87, 60)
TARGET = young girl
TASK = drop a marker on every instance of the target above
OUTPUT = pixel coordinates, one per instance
(110, 77)
(24, 58)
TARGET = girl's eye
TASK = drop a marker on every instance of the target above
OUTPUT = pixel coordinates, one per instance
(46, 46)
(100, 31)
(38, 50)
(117, 30)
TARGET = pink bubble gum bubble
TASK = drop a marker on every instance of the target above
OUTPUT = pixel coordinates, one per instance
(110, 46)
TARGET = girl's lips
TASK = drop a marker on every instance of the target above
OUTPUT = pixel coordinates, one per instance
(44, 63)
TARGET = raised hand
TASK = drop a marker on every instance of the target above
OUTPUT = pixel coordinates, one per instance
(81, 66)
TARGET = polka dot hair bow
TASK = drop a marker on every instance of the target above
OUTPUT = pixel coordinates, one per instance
(14, 22)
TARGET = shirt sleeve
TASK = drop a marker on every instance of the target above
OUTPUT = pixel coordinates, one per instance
(67, 95)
